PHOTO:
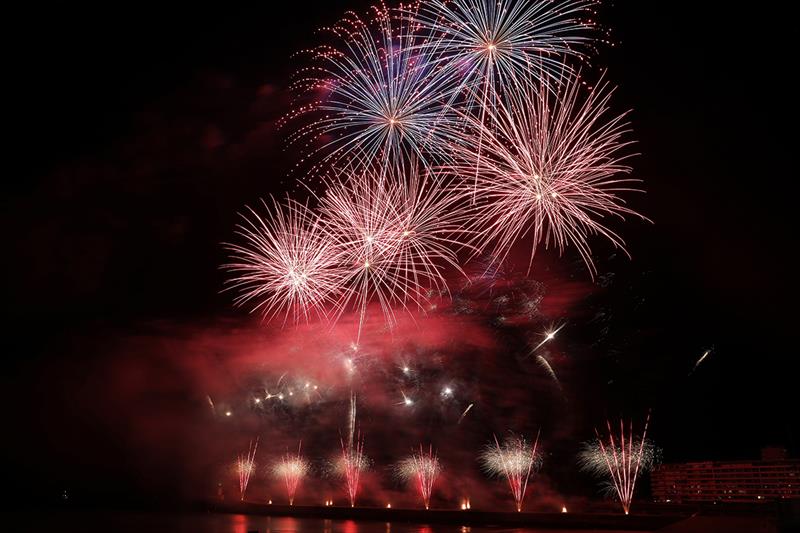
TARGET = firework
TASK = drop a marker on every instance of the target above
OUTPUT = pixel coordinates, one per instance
(515, 460)
(497, 43)
(292, 468)
(621, 459)
(286, 263)
(374, 94)
(422, 468)
(702, 358)
(397, 236)
(245, 465)
(549, 168)
(352, 461)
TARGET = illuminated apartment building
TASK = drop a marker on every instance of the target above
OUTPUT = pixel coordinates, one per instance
(774, 477)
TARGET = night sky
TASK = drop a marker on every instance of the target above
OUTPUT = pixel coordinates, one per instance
(138, 134)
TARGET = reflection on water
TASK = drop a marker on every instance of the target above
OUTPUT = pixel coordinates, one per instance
(103, 522)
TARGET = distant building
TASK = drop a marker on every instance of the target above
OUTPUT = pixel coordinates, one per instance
(774, 477)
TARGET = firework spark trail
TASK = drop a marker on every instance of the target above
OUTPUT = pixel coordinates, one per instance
(353, 460)
(397, 236)
(292, 468)
(549, 169)
(245, 465)
(622, 460)
(544, 363)
(702, 358)
(464, 413)
(286, 264)
(423, 468)
(515, 460)
(376, 94)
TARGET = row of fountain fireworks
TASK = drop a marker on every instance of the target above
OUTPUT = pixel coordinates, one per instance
(440, 130)
(620, 457)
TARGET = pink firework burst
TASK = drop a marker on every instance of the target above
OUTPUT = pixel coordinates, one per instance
(551, 166)
(422, 468)
(286, 264)
(292, 468)
(398, 235)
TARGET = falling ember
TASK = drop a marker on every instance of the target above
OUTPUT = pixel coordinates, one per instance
(464, 413)
(292, 468)
(245, 464)
(621, 459)
(515, 459)
(423, 468)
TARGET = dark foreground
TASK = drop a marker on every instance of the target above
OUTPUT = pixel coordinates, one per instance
(83, 521)
(473, 518)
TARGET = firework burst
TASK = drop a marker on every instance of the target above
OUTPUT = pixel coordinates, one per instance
(286, 264)
(550, 167)
(397, 236)
(375, 94)
(497, 43)
(292, 468)
(515, 460)
(245, 465)
(621, 459)
(422, 468)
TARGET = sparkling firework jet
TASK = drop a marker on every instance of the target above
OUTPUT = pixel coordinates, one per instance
(353, 460)
(422, 468)
(376, 94)
(548, 168)
(286, 264)
(397, 234)
(620, 459)
(245, 465)
(514, 460)
(291, 468)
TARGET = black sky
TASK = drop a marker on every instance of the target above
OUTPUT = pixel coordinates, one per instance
(138, 132)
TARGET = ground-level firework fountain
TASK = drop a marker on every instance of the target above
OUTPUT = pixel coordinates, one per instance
(245, 464)
(292, 468)
(621, 459)
(352, 461)
(422, 467)
(515, 459)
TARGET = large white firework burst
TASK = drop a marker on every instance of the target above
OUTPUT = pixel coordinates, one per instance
(286, 264)
(497, 43)
(551, 167)
(398, 236)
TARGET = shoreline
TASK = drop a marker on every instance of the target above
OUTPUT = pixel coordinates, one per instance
(469, 517)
